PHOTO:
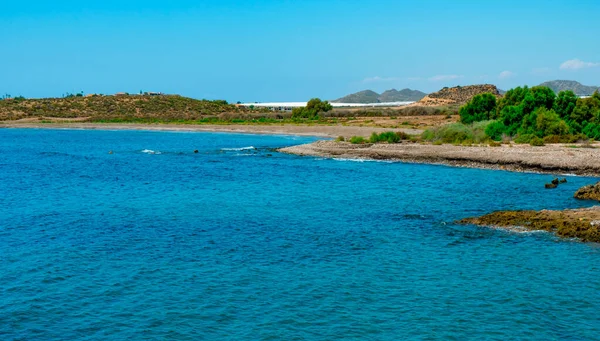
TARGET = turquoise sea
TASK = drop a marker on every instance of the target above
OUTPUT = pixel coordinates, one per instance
(239, 242)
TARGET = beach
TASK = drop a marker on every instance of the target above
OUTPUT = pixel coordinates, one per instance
(331, 131)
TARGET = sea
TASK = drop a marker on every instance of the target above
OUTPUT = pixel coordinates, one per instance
(146, 235)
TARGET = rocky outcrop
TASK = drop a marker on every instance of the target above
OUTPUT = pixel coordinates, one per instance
(583, 224)
(458, 94)
(590, 192)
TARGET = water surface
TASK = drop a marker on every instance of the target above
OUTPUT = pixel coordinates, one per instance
(239, 242)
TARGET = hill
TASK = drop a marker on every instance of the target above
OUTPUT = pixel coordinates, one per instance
(392, 95)
(458, 94)
(123, 107)
(579, 89)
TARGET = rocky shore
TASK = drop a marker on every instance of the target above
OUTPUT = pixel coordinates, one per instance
(552, 159)
(583, 224)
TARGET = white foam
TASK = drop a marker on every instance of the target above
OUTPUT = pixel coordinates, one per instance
(149, 151)
(359, 160)
(238, 149)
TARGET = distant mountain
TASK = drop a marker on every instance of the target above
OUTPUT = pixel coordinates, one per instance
(576, 87)
(393, 95)
(403, 95)
(365, 96)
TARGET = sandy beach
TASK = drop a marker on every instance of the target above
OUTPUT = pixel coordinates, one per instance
(302, 130)
(552, 159)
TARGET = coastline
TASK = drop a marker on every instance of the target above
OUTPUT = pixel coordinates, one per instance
(329, 131)
(550, 159)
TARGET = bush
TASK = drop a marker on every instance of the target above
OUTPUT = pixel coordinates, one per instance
(536, 141)
(496, 130)
(481, 108)
(313, 109)
(358, 140)
(389, 137)
(340, 139)
(458, 133)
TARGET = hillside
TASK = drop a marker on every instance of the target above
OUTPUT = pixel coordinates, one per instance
(579, 89)
(458, 94)
(392, 95)
(125, 107)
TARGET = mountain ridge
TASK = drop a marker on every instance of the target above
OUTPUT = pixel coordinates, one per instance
(391, 95)
(578, 88)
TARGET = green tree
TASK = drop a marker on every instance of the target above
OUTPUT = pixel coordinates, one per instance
(513, 97)
(313, 109)
(565, 103)
(480, 108)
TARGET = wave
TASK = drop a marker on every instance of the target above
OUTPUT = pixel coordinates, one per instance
(149, 151)
(238, 149)
(361, 160)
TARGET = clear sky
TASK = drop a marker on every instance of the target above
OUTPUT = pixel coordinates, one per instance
(292, 50)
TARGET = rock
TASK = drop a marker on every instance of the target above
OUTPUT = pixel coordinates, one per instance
(459, 94)
(555, 181)
(196, 151)
(563, 180)
(551, 186)
(579, 223)
(589, 192)
(110, 151)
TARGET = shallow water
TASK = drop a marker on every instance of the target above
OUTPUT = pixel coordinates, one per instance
(155, 241)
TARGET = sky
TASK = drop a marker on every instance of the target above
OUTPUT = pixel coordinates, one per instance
(292, 50)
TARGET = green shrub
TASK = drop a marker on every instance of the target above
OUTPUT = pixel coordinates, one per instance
(340, 139)
(389, 137)
(496, 130)
(536, 141)
(358, 140)
(458, 133)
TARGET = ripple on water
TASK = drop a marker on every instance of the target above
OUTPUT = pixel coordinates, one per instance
(209, 245)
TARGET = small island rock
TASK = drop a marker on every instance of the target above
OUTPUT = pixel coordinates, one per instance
(589, 192)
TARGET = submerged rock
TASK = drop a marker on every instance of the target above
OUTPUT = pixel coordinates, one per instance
(552, 185)
(589, 192)
(563, 180)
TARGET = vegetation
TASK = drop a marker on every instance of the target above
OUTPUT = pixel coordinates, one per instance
(125, 108)
(385, 137)
(357, 140)
(481, 108)
(458, 133)
(537, 113)
(388, 137)
(314, 109)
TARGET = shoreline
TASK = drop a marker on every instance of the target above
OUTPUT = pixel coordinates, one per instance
(329, 131)
(557, 159)
(551, 159)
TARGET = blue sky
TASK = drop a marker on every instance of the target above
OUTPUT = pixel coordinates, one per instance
(292, 50)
